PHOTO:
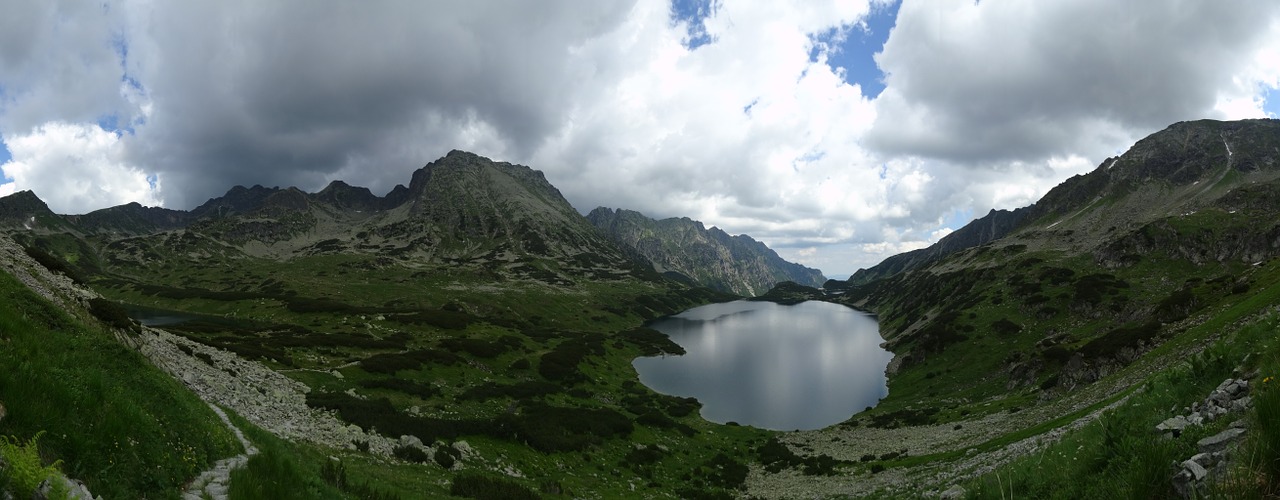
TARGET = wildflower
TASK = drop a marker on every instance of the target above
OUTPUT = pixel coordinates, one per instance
(1267, 380)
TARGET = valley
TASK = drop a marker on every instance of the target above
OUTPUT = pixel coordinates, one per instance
(472, 334)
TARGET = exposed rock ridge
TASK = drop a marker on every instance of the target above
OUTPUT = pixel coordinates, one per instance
(993, 226)
(709, 257)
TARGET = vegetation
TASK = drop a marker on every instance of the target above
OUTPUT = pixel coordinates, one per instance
(108, 416)
(1121, 455)
(23, 471)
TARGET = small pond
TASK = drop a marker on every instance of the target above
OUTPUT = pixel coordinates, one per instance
(794, 367)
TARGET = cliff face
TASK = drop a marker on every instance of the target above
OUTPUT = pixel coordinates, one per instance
(708, 257)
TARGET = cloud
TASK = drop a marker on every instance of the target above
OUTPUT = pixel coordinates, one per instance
(297, 92)
(59, 62)
(973, 82)
(76, 169)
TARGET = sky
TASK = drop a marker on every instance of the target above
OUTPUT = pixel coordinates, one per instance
(837, 132)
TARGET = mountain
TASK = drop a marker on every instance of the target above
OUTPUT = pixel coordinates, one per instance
(475, 331)
(709, 257)
(1099, 271)
(990, 227)
(1187, 167)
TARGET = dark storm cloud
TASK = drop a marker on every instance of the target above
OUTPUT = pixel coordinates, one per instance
(296, 92)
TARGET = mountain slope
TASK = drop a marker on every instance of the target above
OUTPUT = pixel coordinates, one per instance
(472, 317)
(1102, 269)
(112, 418)
(710, 257)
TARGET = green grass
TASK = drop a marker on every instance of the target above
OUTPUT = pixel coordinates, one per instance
(115, 421)
(1120, 455)
(281, 470)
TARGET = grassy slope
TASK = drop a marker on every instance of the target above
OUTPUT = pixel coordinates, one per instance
(311, 317)
(1120, 454)
(116, 422)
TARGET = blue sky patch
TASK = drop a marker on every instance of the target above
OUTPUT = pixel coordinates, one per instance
(694, 12)
(111, 123)
(958, 218)
(853, 49)
(1271, 102)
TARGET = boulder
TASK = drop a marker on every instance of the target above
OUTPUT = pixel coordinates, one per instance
(1219, 441)
(75, 489)
(412, 441)
(1197, 471)
(1174, 425)
(953, 493)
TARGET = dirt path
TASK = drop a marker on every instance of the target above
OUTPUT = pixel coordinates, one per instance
(213, 483)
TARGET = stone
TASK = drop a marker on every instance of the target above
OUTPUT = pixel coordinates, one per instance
(1197, 471)
(1242, 403)
(953, 493)
(1183, 484)
(412, 441)
(1240, 424)
(1219, 441)
(1175, 424)
(1204, 459)
(76, 490)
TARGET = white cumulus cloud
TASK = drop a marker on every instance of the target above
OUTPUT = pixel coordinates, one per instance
(76, 168)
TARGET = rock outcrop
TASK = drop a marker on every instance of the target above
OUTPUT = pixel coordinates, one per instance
(708, 257)
(1214, 452)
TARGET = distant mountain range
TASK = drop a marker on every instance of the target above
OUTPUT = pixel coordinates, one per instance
(461, 210)
(709, 257)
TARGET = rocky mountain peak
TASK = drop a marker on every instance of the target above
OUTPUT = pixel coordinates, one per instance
(709, 257)
(345, 196)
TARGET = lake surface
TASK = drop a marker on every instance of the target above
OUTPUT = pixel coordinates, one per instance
(161, 317)
(804, 366)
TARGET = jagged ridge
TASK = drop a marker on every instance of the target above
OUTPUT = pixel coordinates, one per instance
(709, 257)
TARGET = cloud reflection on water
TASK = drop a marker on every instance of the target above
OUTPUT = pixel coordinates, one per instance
(804, 366)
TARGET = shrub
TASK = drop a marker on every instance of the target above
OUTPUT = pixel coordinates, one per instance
(52, 263)
(1005, 327)
(411, 454)
(476, 347)
(112, 314)
(472, 485)
(561, 364)
(24, 472)
(446, 456)
(421, 390)
(651, 342)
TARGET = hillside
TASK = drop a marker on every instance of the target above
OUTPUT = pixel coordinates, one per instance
(709, 257)
(1114, 278)
(463, 328)
(471, 334)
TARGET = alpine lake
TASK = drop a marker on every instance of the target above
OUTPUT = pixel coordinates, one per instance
(779, 367)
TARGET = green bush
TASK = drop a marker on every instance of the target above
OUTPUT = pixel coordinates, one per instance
(25, 472)
(52, 263)
(472, 485)
(446, 456)
(112, 314)
(418, 389)
(411, 454)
